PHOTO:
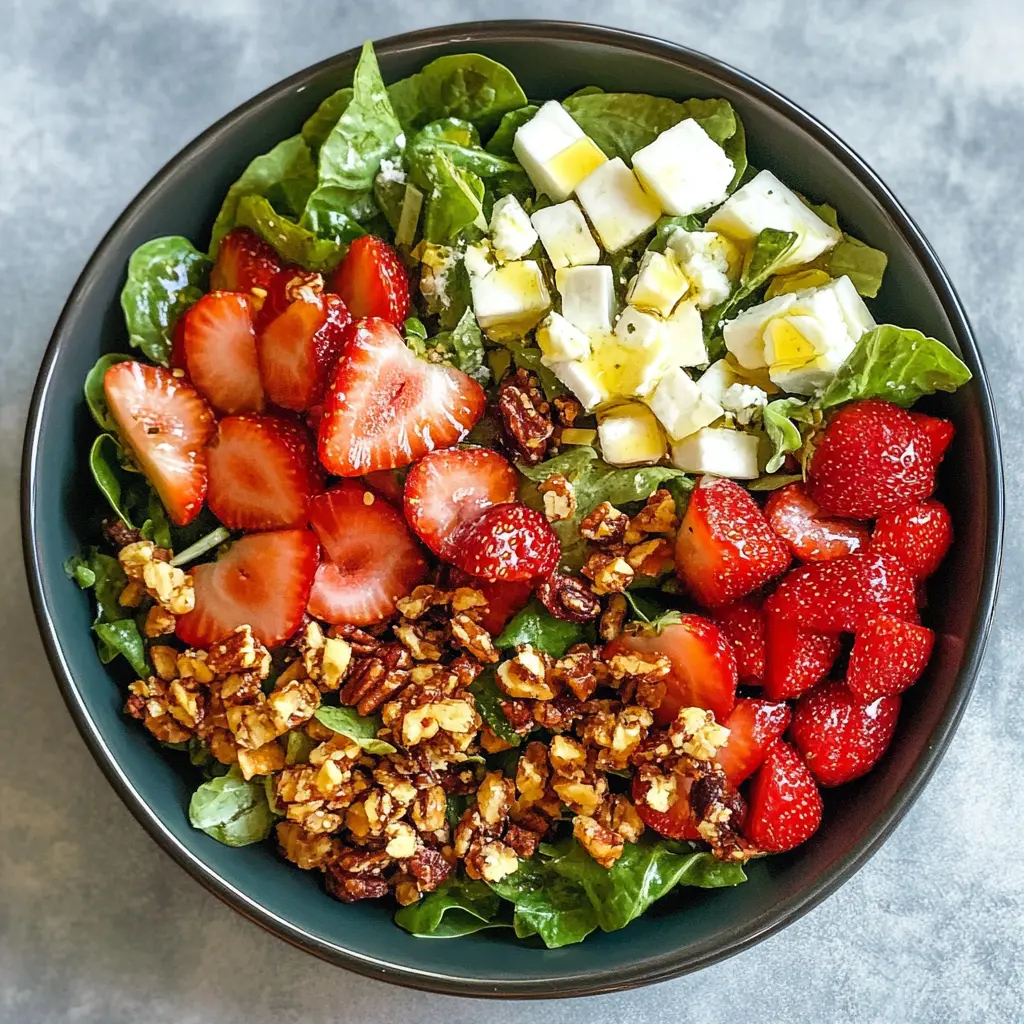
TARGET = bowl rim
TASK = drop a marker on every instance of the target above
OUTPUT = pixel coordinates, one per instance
(672, 963)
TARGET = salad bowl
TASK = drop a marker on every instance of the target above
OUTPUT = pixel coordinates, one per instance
(551, 60)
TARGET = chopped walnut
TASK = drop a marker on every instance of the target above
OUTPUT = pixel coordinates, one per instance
(696, 733)
(575, 671)
(611, 574)
(168, 585)
(559, 498)
(621, 816)
(567, 409)
(307, 852)
(150, 702)
(423, 641)
(263, 761)
(465, 599)
(401, 840)
(132, 594)
(165, 661)
(491, 742)
(613, 618)
(532, 773)
(525, 675)
(293, 704)
(652, 557)
(638, 664)
(240, 688)
(473, 638)
(523, 841)
(617, 733)
(567, 755)
(429, 868)
(494, 798)
(657, 516)
(491, 860)
(423, 722)
(662, 793)
(568, 598)
(525, 417)
(605, 524)
(252, 726)
(581, 796)
(357, 875)
(421, 600)
(559, 714)
(604, 845)
(192, 665)
(428, 809)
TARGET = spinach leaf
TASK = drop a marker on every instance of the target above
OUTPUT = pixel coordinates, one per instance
(504, 135)
(463, 347)
(115, 483)
(488, 703)
(339, 214)
(298, 745)
(122, 637)
(165, 276)
(284, 177)
(95, 396)
(156, 526)
(319, 124)
(455, 806)
(231, 810)
(460, 142)
(527, 357)
(783, 432)
(361, 728)
(454, 198)
(464, 85)
(294, 243)
(104, 575)
(536, 626)
(896, 364)
(668, 225)
(459, 906)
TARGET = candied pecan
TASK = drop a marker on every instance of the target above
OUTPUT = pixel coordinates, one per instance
(263, 761)
(604, 524)
(428, 809)
(525, 417)
(525, 675)
(604, 845)
(568, 598)
(119, 535)
(558, 714)
(650, 693)
(466, 670)
(519, 715)
(165, 661)
(421, 600)
(303, 850)
(576, 671)
(371, 682)
(359, 640)
(610, 573)
(532, 773)
(619, 814)
(473, 638)
(567, 410)
(240, 688)
(429, 868)
(657, 516)
(491, 860)
(350, 888)
(422, 641)
(239, 651)
(494, 797)
(559, 498)
(612, 618)
(522, 841)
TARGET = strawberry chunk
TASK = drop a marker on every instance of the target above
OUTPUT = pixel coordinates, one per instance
(939, 432)
(373, 281)
(703, 671)
(873, 457)
(450, 487)
(505, 543)
(888, 656)
(841, 596)
(785, 805)
(262, 580)
(918, 535)
(725, 548)
(676, 822)
(298, 350)
(220, 352)
(263, 471)
(244, 262)
(167, 424)
(370, 559)
(754, 726)
(743, 624)
(284, 288)
(385, 408)
(795, 658)
(812, 537)
(839, 737)
(504, 600)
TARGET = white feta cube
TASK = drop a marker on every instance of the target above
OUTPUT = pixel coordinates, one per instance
(512, 234)
(559, 340)
(582, 378)
(510, 300)
(744, 401)
(684, 169)
(620, 210)
(716, 380)
(659, 284)
(855, 311)
(565, 235)
(637, 329)
(680, 405)
(764, 202)
(710, 262)
(630, 435)
(588, 297)
(744, 334)
(555, 152)
(478, 259)
(684, 336)
(719, 451)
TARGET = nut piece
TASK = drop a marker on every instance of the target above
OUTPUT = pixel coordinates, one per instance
(491, 860)
(568, 598)
(267, 759)
(576, 672)
(305, 851)
(657, 516)
(621, 816)
(652, 557)
(293, 704)
(421, 600)
(239, 651)
(525, 675)
(696, 733)
(165, 661)
(494, 798)
(559, 498)
(613, 618)
(567, 410)
(532, 774)
(525, 417)
(610, 573)
(604, 845)
(473, 638)
(159, 622)
(604, 525)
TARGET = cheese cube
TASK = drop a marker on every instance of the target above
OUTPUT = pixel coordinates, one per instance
(567, 239)
(555, 152)
(684, 336)
(637, 329)
(684, 169)
(588, 297)
(764, 202)
(659, 284)
(583, 380)
(720, 451)
(680, 405)
(744, 334)
(478, 259)
(855, 311)
(559, 340)
(744, 401)
(710, 262)
(510, 300)
(512, 234)
(717, 379)
(630, 435)
(620, 210)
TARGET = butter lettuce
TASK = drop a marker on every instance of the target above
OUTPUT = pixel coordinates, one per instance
(294, 243)
(459, 906)
(781, 419)
(504, 135)
(318, 125)
(462, 347)
(862, 264)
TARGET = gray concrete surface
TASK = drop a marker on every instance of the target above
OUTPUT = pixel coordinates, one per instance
(96, 924)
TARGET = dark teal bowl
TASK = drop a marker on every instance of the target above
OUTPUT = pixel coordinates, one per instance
(551, 59)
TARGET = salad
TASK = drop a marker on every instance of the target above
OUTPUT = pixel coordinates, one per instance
(516, 513)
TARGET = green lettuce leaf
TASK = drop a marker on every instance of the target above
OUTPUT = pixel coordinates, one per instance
(202, 546)
(536, 626)
(774, 481)
(339, 215)
(895, 364)
(294, 243)
(464, 85)
(95, 397)
(319, 124)
(121, 488)
(459, 906)
(297, 747)
(460, 142)
(666, 227)
(488, 703)
(527, 357)
(453, 209)
(504, 135)
(165, 276)
(122, 637)
(361, 728)
(231, 810)
(93, 570)
(780, 423)
(462, 347)
(851, 257)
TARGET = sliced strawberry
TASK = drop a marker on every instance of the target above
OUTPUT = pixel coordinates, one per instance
(839, 737)
(939, 432)
(872, 458)
(298, 350)
(841, 596)
(505, 543)
(725, 548)
(167, 424)
(888, 656)
(795, 658)
(785, 805)
(743, 624)
(244, 261)
(385, 408)
(373, 281)
(450, 487)
(918, 535)
(263, 471)
(504, 600)
(674, 823)
(811, 536)
(754, 726)
(703, 665)
(178, 361)
(262, 580)
(371, 560)
(220, 352)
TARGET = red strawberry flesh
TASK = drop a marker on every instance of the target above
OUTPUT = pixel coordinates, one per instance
(888, 656)
(743, 624)
(918, 535)
(785, 805)
(754, 725)
(795, 658)
(811, 536)
(373, 281)
(506, 543)
(244, 262)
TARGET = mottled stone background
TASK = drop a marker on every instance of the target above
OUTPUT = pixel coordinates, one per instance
(96, 924)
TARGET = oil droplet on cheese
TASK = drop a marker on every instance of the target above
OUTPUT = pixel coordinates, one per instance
(575, 162)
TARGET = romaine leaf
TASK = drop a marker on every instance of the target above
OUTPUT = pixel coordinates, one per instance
(464, 85)
(851, 257)
(488, 702)
(895, 364)
(459, 906)
(294, 243)
(783, 432)
(165, 276)
(361, 728)
(536, 626)
(122, 637)
(231, 810)
(319, 124)
(95, 397)
(504, 135)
